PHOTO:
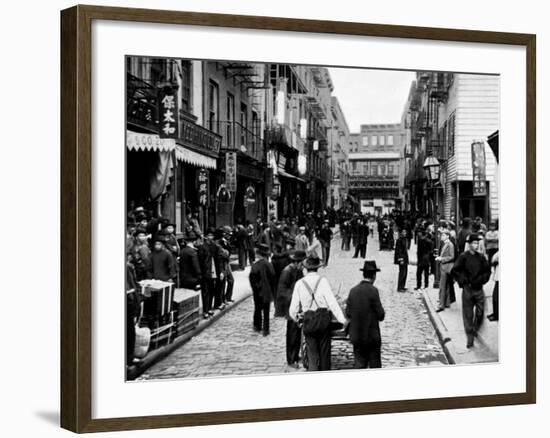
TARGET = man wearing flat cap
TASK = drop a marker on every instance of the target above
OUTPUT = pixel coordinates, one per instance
(471, 271)
(290, 275)
(311, 293)
(364, 310)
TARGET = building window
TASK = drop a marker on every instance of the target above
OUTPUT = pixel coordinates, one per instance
(375, 170)
(451, 135)
(382, 169)
(213, 106)
(186, 86)
(382, 140)
(390, 169)
(230, 108)
(390, 140)
(374, 140)
(365, 141)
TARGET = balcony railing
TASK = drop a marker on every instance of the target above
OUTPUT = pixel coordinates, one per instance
(416, 173)
(236, 137)
(141, 103)
(439, 85)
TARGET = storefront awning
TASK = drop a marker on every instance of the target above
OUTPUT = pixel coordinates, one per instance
(137, 141)
(281, 172)
(194, 158)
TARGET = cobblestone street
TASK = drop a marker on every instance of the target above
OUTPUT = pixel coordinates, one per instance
(231, 347)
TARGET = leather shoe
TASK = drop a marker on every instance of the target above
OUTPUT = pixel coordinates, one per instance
(440, 309)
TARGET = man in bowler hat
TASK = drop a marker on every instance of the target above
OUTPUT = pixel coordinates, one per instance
(364, 310)
(262, 281)
(401, 258)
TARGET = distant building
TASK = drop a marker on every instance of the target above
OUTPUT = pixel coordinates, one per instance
(376, 173)
(449, 115)
(338, 156)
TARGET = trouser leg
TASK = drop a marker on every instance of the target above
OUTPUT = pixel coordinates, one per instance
(363, 250)
(359, 359)
(293, 340)
(205, 296)
(265, 316)
(495, 301)
(374, 356)
(357, 249)
(327, 254)
(426, 277)
(257, 318)
(443, 291)
(312, 345)
(130, 339)
(402, 279)
(468, 310)
(251, 256)
(242, 258)
(324, 351)
(479, 308)
(419, 271)
(219, 287)
(230, 282)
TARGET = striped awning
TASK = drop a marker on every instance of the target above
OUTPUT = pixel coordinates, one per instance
(194, 158)
(137, 141)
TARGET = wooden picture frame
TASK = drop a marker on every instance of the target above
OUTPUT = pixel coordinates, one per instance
(76, 217)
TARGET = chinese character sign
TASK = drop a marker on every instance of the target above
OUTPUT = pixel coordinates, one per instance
(479, 187)
(168, 113)
(231, 171)
(202, 183)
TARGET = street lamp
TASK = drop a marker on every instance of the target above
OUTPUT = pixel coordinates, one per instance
(432, 167)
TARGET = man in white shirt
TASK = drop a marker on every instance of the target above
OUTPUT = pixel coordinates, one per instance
(310, 293)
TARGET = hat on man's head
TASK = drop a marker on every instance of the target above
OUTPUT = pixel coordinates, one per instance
(139, 231)
(263, 249)
(473, 238)
(167, 223)
(210, 231)
(370, 266)
(190, 237)
(312, 262)
(298, 256)
(159, 237)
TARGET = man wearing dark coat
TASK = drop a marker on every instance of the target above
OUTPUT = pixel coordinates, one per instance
(364, 310)
(241, 241)
(224, 285)
(262, 281)
(424, 251)
(362, 237)
(401, 258)
(190, 271)
(279, 260)
(325, 237)
(471, 271)
(161, 266)
(290, 275)
(209, 263)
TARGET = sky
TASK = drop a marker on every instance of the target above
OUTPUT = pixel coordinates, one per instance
(371, 96)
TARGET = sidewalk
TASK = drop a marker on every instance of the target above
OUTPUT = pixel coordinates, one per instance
(450, 327)
(241, 291)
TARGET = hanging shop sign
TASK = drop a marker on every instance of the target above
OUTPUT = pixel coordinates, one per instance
(231, 171)
(202, 184)
(168, 112)
(223, 195)
(479, 187)
(249, 195)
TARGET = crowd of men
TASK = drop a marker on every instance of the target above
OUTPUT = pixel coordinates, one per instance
(285, 256)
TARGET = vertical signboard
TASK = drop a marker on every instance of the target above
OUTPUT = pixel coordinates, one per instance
(168, 112)
(231, 171)
(479, 188)
(202, 184)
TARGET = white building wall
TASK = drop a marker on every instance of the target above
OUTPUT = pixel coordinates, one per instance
(197, 78)
(477, 117)
(475, 99)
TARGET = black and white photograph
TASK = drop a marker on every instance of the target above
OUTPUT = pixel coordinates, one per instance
(285, 218)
